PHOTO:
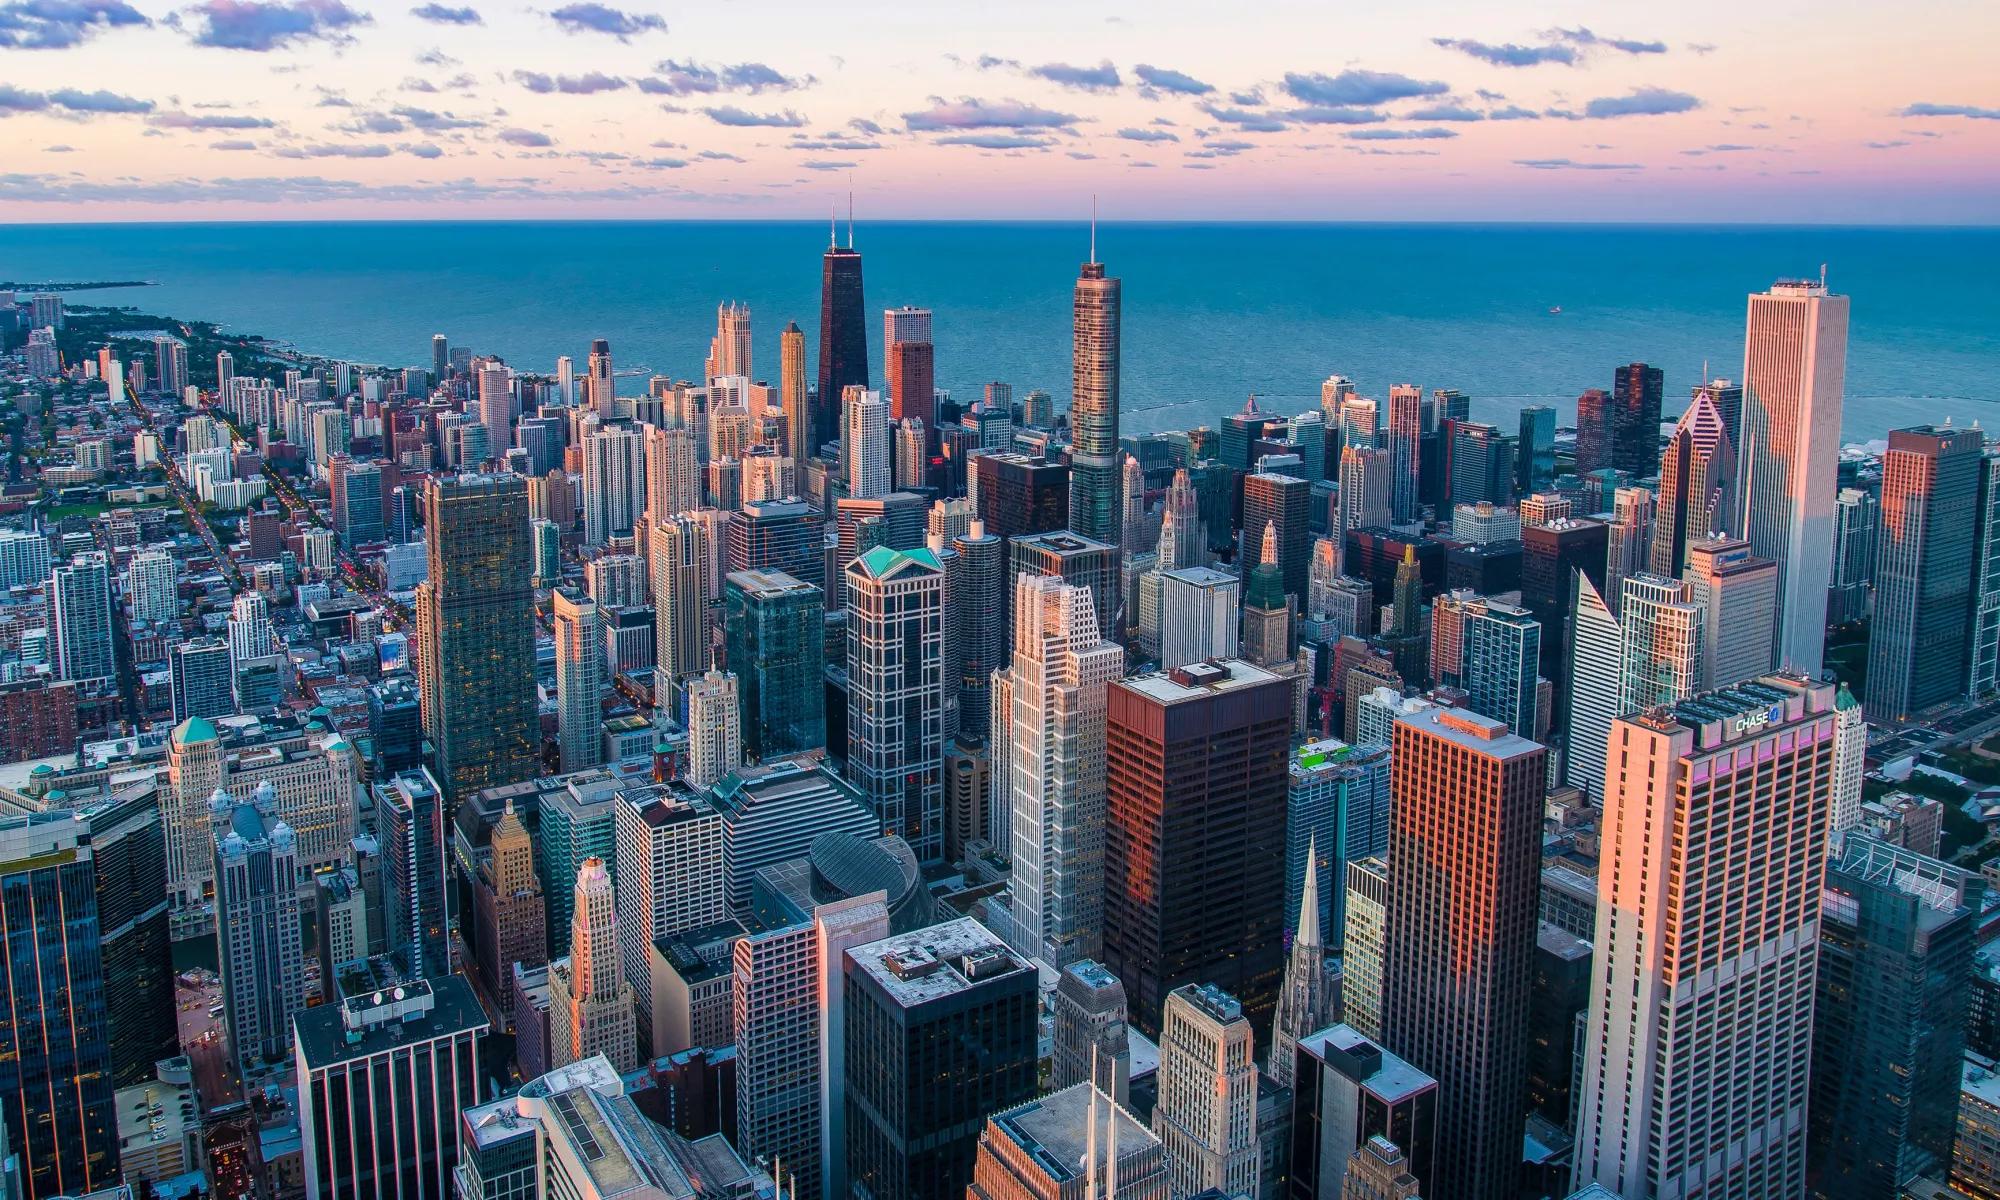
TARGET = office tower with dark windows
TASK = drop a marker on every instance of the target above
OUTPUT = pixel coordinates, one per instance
(1857, 516)
(579, 638)
(1738, 782)
(910, 365)
(1348, 1090)
(1794, 373)
(1465, 840)
(777, 535)
(895, 692)
(202, 679)
(774, 640)
(1503, 648)
(382, 1077)
(476, 634)
(1077, 561)
(56, 1081)
(947, 1002)
(1983, 676)
(1017, 494)
(1406, 429)
(1194, 861)
(1240, 431)
(1480, 463)
(1550, 554)
(1336, 812)
(1535, 450)
(1090, 1031)
(128, 860)
(979, 622)
(1896, 941)
(1282, 502)
(1697, 486)
(1636, 391)
(257, 927)
(508, 910)
(80, 627)
(843, 336)
(600, 388)
(1921, 637)
(357, 501)
(409, 824)
(1093, 414)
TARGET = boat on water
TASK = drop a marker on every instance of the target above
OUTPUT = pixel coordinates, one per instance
(1556, 311)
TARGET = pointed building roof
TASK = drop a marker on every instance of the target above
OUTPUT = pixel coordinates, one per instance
(1308, 927)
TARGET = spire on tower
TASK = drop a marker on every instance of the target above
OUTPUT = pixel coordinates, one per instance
(1269, 557)
(1308, 927)
(850, 216)
(1093, 227)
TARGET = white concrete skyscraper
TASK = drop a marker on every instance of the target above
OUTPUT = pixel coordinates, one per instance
(865, 430)
(496, 407)
(1206, 1117)
(673, 473)
(1794, 377)
(150, 582)
(1699, 1043)
(1094, 482)
(1660, 658)
(729, 349)
(614, 481)
(590, 1003)
(895, 692)
(681, 568)
(565, 380)
(1367, 489)
(715, 728)
(579, 627)
(80, 613)
(1055, 774)
(1738, 595)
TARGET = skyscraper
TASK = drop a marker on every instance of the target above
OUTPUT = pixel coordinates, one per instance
(600, 388)
(673, 476)
(1194, 879)
(715, 728)
(895, 692)
(681, 564)
(1349, 1092)
(1055, 774)
(1093, 415)
(1536, 450)
(1628, 540)
(1895, 986)
(1598, 656)
(614, 480)
(509, 912)
(1198, 616)
(866, 443)
(475, 633)
(56, 1085)
(1308, 999)
(774, 639)
(1660, 660)
(1206, 1118)
(1697, 485)
(579, 627)
(128, 862)
(1406, 428)
(1078, 1135)
(1282, 502)
(1636, 391)
(1738, 595)
(729, 349)
(670, 879)
(793, 397)
(843, 335)
(1464, 867)
(1090, 1031)
(590, 1002)
(1364, 944)
(1367, 489)
(909, 365)
(257, 932)
(1670, 1070)
(80, 618)
(1921, 638)
(409, 824)
(1794, 371)
(1503, 654)
(202, 679)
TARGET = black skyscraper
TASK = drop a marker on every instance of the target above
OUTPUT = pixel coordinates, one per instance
(843, 336)
(1635, 447)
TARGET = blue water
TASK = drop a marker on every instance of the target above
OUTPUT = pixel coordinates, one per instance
(1212, 312)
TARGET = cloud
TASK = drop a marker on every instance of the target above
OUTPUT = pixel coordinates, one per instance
(342, 150)
(1513, 112)
(1445, 112)
(1359, 87)
(432, 122)
(440, 14)
(1719, 148)
(1581, 36)
(181, 120)
(265, 25)
(720, 156)
(1951, 110)
(1642, 102)
(1248, 122)
(823, 164)
(691, 78)
(729, 114)
(1222, 148)
(1251, 98)
(591, 17)
(374, 123)
(1400, 135)
(435, 57)
(526, 137)
(233, 144)
(832, 143)
(996, 141)
(413, 84)
(1168, 80)
(59, 148)
(46, 188)
(421, 149)
(1323, 115)
(1509, 54)
(864, 125)
(60, 24)
(569, 85)
(1569, 164)
(97, 102)
(1101, 78)
(1148, 135)
(968, 113)
(660, 164)
(1897, 144)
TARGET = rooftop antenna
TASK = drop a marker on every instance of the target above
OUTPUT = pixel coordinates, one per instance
(850, 212)
(1822, 276)
(1093, 227)
(832, 224)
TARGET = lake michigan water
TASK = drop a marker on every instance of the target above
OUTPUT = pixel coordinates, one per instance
(1212, 312)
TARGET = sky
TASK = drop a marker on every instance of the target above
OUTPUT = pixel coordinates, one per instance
(1780, 111)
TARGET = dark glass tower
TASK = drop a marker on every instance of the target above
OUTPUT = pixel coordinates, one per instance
(843, 335)
(1094, 510)
(775, 641)
(129, 858)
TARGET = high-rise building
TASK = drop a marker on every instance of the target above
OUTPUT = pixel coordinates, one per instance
(947, 1001)
(729, 349)
(682, 562)
(1856, 520)
(1206, 1117)
(1379, 1171)
(170, 362)
(895, 692)
(1310, 997)
(1017, 494)
(1598, 658)
(579, 628)
(1282, 503)
(1464, 866)
(1198, 616)
(715, 728)
(1552, 552)
(508, 910)
(1090, 1031)
(774, 641)
(1920, 641)
(1194, 853)
(1628, 540)
(614, 480)
(1336, 812)
(978, 616)
(1479, 465)
(495, 408)
(793, 398)
(1660, 659)
(1535, 447)
(475, 633)
(56, 1086)
(1503, 656)
(1741, 910)
(409, 825)
(673, 474)
(1075, 1141)
(202, 679)
(152, 582)
(382, 1078)
(1850, 761)
(80, 618)
(1094, 509)
(600, 387)
(1794, 372)
(670, 878)
(1636, 392)
(1364, 944)
(843, 335)
(357, 500)
(909, 364)
(1738, 596)
(1406, 428)
(1349, 1092)
(866, 445)
(257, 927)
(1896, 940)
(1697, 486)
(128, 862)
(591, 1006)
(1054, 740)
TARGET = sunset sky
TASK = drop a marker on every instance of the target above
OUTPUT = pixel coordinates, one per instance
(1701, 111)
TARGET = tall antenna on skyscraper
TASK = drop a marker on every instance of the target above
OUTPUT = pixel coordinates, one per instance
(850, 212)
(832, 224)
(1093, 227)
(1822, 276)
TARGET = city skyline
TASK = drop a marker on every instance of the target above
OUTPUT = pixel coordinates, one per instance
(225, 110)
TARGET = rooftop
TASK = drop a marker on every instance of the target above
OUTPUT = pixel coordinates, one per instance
(1471, 730)
(935, 962)
(1198, 681)
(1390, 1078)
(1054, 1130)
(378, 1022)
